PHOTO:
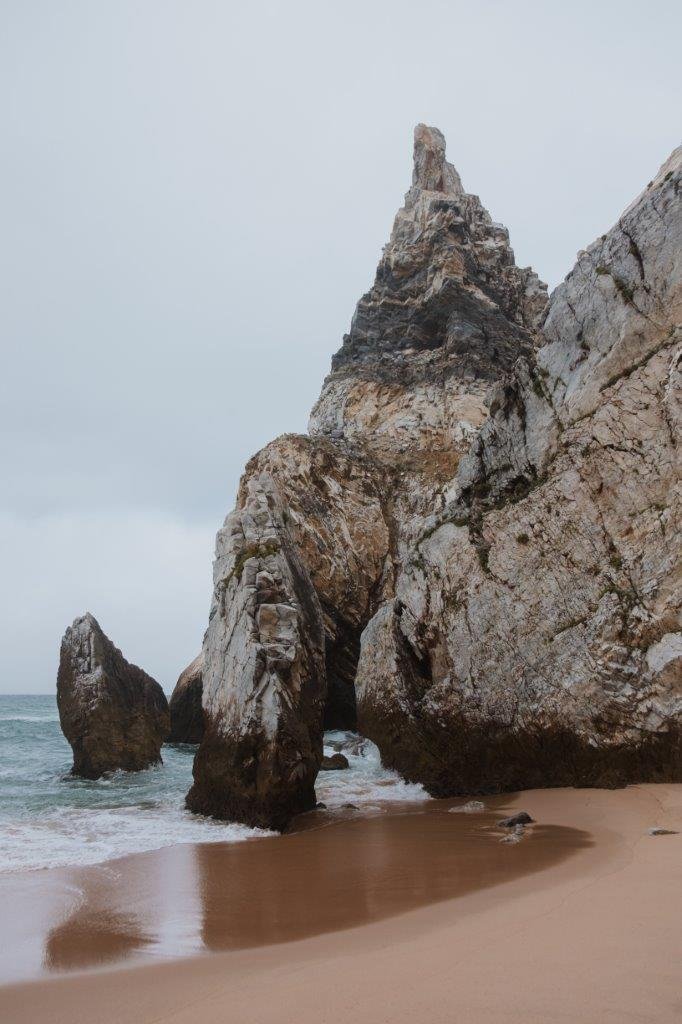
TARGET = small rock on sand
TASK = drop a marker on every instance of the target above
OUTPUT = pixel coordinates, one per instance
(522, 818)
(658, 831)
(335, 763)
(472, 807)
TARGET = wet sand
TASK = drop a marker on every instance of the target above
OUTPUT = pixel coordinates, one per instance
(328, 875)
(417, 916)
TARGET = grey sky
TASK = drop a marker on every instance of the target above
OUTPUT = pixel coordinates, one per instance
(193, 196)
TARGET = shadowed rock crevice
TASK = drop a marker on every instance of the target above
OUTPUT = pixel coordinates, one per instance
(342, 650)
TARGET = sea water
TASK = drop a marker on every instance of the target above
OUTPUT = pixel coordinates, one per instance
(49, 818)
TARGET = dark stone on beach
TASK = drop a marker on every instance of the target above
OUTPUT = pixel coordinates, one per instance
(471, 807)
(320, 806)
(522, 818)
(186, 712)
(335, 763)
(658, 831)
(112, 713)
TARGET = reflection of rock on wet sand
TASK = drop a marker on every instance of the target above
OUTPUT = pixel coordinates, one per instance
(359, 870)
(94, 936)
(134, 906)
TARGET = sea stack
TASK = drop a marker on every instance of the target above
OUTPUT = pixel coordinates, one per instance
(186, 712)
(112, 713)
(474, 556)
(264, 682)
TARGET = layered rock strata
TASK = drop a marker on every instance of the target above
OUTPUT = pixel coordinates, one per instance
(112, 713)
(186, 711)
(474, 554)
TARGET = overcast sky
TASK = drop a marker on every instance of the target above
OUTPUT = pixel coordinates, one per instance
(193, 196)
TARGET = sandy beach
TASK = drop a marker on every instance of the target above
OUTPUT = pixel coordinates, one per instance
(579, 922)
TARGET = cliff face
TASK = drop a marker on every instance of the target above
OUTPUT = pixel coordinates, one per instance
(475, 552)
(534, 639)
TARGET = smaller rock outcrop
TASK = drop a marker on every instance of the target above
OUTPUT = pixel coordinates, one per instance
(516, 820)
(186, 713)
(471, 807)
(334, 763)
(112, 713)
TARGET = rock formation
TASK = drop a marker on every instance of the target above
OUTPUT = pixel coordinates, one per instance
(186, 712)
(263, 692)
(334, 763)
(112, 713)
(475, 552)
(448, 314)
(534, 638)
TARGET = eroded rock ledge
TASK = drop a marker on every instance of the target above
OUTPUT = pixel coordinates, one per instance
(476, 551)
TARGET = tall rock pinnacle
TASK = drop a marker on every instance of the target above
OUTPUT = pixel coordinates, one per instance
(432, 172)
(448, 314)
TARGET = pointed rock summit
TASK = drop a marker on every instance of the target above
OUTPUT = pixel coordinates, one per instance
(432, 172)
(474, 555)
(112, 713)
(448, 314)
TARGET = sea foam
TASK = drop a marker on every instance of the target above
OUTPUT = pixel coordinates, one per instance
(48, 818)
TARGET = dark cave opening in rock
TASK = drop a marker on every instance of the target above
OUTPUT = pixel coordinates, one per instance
(341, 656)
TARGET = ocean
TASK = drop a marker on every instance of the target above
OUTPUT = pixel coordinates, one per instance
(49, 818)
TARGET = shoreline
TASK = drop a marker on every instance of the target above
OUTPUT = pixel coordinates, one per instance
(608, 915)
(332, 871)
